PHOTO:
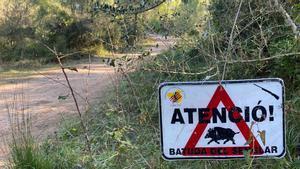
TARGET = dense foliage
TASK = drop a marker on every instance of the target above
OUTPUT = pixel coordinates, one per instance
(26, 26)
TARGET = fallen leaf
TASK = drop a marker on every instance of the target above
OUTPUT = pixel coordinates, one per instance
(63, 97)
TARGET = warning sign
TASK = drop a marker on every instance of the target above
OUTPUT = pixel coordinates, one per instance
(212, 120)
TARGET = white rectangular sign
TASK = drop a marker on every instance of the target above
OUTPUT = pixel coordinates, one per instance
(212, 120)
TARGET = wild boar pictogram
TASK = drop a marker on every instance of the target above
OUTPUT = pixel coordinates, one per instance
(219, 133)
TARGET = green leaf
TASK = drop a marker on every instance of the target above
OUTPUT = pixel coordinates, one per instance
(63, 97)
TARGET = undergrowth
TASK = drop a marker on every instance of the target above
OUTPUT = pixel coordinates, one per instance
(126, 134)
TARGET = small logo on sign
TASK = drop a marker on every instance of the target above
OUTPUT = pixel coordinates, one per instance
(175, 95)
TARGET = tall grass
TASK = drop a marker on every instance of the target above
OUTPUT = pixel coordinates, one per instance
(24, 151)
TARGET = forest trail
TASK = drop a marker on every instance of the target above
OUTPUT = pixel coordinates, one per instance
(38, 94)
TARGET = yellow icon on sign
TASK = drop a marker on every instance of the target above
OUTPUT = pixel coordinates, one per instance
(175, 96)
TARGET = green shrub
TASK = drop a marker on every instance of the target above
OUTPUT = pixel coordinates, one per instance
(26, 155)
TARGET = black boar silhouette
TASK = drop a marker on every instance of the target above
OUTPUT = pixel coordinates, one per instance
(219, 133)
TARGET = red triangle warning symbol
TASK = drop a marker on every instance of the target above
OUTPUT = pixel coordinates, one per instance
(221, 95)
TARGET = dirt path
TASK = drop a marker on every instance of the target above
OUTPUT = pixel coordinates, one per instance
(161, 43)
(38, 93)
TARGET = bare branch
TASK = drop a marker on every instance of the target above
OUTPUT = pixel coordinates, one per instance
(287, 18)
(233, 26)
(84, 127)
(259, 60)
(231, 38)
(121, 10)
(70, 54)
(182, 73)
(76, 104)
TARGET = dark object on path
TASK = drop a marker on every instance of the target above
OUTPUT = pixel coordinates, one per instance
(219, 133)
